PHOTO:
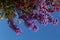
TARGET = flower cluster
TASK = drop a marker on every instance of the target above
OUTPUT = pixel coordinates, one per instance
(29, 11)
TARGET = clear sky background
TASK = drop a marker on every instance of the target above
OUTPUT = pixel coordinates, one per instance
(49, 32)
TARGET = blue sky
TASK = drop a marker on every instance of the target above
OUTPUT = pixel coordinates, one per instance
(49, 32)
